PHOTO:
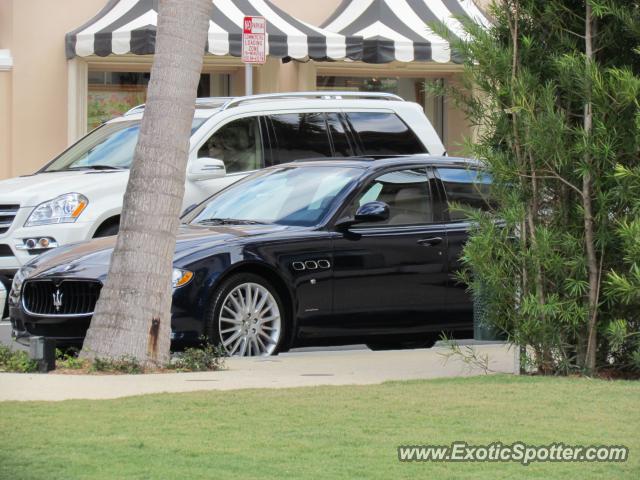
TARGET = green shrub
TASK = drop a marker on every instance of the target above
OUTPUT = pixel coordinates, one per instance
(205, 359)
(69, 360)
(16, 361)
(126, 365)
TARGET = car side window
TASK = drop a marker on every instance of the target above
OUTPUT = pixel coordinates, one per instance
(341, 144)
(408, 194)
(383, 133)
(238, 144)
(300, 135)
(467, 188)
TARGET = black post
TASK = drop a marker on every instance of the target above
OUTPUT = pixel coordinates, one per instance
(43, 351)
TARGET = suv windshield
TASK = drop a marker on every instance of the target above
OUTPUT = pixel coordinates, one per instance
(300, 196)
(108, 147)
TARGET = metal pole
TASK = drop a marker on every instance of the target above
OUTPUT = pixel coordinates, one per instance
(248, 79)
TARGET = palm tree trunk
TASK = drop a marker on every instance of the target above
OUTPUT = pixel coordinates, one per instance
(132, 316)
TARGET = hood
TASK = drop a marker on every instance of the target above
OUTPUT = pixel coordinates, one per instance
(32, 190)
(91, 259)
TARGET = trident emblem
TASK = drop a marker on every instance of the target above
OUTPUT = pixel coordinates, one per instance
(57, 300)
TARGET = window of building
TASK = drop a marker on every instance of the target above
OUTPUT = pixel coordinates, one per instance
(383, 133)
(467, 188)
(110, 94)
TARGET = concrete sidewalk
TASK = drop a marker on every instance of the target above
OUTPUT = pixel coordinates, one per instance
(318, 368)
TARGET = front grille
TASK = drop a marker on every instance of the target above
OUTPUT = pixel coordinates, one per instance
(7, 214)
(5, 250)
(60, 298)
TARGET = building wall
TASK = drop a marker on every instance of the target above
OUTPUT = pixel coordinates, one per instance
(38, 107)
(34, 93)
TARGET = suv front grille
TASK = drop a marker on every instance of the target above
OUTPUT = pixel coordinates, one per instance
(5, 250)
(60, 298)
(7, 214)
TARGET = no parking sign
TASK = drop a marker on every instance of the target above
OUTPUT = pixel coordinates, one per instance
(254, 40)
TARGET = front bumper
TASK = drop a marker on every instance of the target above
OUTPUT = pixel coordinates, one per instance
(185, 330)
(66, 331)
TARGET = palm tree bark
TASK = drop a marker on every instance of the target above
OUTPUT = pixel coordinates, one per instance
(132, 317)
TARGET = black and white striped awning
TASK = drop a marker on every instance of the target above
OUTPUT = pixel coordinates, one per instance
(397, 30)
(129, 26)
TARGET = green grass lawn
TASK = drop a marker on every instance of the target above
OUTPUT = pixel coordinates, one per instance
(324, 432)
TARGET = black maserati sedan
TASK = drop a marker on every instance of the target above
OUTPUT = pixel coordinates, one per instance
(320, 252)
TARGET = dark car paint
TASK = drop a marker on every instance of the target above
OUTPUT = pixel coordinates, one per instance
(353, 300)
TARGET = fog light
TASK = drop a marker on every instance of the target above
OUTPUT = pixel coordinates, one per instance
(39, 243)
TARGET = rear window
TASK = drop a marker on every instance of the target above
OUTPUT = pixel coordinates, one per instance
(383, 133)
(465, 187)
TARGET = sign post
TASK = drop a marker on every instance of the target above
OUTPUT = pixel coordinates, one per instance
(254, 33)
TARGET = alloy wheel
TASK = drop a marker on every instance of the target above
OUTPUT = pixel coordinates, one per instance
(249, 321)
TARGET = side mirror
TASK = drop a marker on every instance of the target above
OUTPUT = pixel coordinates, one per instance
(372, 212)
(206, 169)
(367, 213)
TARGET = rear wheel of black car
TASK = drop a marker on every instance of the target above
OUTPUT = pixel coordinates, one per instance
(247, 317)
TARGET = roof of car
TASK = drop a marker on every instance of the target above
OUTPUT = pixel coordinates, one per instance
(376, 162)
(214, 104)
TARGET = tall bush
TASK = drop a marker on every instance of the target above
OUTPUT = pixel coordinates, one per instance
(553, 89)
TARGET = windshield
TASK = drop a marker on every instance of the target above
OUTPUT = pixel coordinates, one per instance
(300, 196)
(110, 146)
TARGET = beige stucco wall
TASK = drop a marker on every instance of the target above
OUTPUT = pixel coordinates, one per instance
(5, 124)
(38, 110)
(33, 95)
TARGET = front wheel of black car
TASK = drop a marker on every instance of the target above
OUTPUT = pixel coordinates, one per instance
(247, 317)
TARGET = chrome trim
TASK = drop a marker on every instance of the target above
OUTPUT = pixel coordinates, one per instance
(324, 264)
(53, 315)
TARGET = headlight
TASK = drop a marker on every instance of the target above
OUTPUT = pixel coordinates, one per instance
(63, 209)
(180, 278)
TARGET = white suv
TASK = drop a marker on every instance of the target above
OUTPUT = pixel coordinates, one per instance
(78, 196)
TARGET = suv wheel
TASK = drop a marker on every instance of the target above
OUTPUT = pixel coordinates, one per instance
(107, 231)
(247, 317)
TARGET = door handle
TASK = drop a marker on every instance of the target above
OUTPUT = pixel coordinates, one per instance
(430, 242)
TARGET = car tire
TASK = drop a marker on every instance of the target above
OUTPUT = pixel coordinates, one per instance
(426, 342)
(262, 330)
(107, 231)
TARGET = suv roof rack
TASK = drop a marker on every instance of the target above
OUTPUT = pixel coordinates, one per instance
(324, 95)
(202, 103)
(224, 103)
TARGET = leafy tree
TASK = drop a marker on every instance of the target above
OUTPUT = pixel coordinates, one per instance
(554, 95)
(132, 317)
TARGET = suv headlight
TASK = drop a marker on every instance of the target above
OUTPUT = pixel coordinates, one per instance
(63, 209)
(180, 278)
